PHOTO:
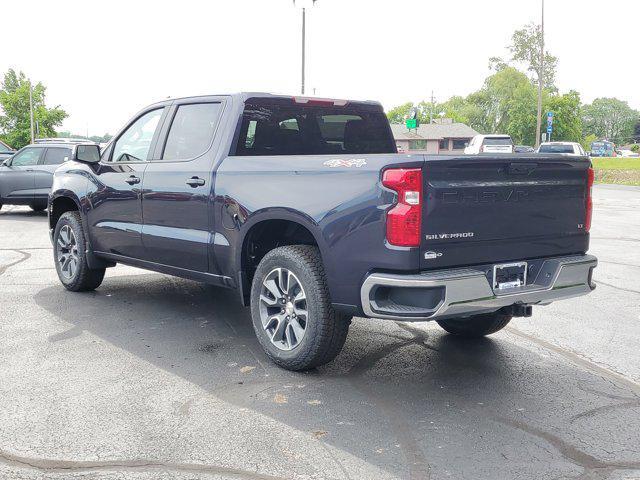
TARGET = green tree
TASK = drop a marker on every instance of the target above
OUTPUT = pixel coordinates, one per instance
(15, 124)
(611, 119)
(588, 140)
(504, 94)
(525, 47)
(567, 118)
(399, 113)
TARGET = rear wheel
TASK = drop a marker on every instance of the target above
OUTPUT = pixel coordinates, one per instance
(291, 310)
(476, 326)
(69, 253)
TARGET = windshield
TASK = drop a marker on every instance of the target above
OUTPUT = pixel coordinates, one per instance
(282, 127)
(497, 141)
(556, 149)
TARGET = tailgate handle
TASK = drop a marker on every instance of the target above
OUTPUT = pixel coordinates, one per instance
(522, 168)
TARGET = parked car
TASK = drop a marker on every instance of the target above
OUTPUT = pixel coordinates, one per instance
(5, 151)
(305, 208)
(523, 149)
(623, 152)
(489, 144)
(571, 148)
(27, 176)
(603, 148)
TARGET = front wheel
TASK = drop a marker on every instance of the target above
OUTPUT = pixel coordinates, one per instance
(476, 326)
(69, 254)
(291, 310)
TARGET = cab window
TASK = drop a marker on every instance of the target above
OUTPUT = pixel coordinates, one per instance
(191, 131)
(134, 144)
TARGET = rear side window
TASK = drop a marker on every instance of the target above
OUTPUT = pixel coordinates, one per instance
(191, 131)
(56, 156)
(286, 128)
(556, 149)
(497, 141)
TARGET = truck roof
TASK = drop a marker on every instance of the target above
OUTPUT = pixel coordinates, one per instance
(244, 96)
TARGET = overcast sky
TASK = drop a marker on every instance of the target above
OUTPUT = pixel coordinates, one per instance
(104, 60)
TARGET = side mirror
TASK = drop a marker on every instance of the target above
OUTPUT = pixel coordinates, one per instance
(87, 153)
(6, 162)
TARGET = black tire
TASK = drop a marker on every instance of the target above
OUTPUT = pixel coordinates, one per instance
(37, 207)
(325, 329)
(83, 278)
(476, 326)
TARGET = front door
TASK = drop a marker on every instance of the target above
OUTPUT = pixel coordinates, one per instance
(17, 181)
(43, 172)
(178, 187)
(115, 219)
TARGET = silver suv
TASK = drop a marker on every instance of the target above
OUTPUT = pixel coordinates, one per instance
(26, 177)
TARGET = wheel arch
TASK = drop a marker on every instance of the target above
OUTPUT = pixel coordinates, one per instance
(67, 201)
(269, 229)
(59, 204)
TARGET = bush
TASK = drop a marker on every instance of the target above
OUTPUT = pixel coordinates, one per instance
(635, 148)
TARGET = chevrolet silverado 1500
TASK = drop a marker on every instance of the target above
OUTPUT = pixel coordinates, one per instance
(305, 207)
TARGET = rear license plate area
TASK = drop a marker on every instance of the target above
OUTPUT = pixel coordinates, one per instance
(509, 275)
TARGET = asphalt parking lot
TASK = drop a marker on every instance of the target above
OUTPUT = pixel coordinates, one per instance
(153, 377)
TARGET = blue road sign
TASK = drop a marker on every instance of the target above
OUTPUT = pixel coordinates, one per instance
(549, 129)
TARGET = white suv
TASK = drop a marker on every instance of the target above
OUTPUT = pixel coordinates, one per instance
(489, 144)
(571, 148)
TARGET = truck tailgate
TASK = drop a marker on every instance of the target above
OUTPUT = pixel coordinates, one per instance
(488, 209)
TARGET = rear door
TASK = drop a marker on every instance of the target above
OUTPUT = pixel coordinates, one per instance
(43, 172)
(17, 181)
(178, 186)
(484, 210)
(115, 220)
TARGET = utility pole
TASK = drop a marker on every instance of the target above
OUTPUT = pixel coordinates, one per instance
(431, 108)
(540, 81)
(33, 137)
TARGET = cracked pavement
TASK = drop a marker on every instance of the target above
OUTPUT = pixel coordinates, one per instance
(154, 377)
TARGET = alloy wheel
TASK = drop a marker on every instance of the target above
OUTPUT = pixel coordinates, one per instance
(283, 308)
(67, 252)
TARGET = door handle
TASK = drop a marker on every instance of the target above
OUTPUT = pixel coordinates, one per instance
(195, 182)
(132, 180)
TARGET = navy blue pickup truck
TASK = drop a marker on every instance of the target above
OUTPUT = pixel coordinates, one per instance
(305, 207)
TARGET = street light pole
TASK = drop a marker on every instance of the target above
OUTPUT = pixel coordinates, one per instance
(33, 138)
(304, 25)
(540, 80)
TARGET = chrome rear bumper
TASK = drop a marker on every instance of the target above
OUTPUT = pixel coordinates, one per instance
(468, 291)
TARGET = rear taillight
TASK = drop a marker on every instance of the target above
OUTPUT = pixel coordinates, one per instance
(405, 217)
(589, 199)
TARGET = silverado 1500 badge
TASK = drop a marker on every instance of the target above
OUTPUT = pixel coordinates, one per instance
(339, 162)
